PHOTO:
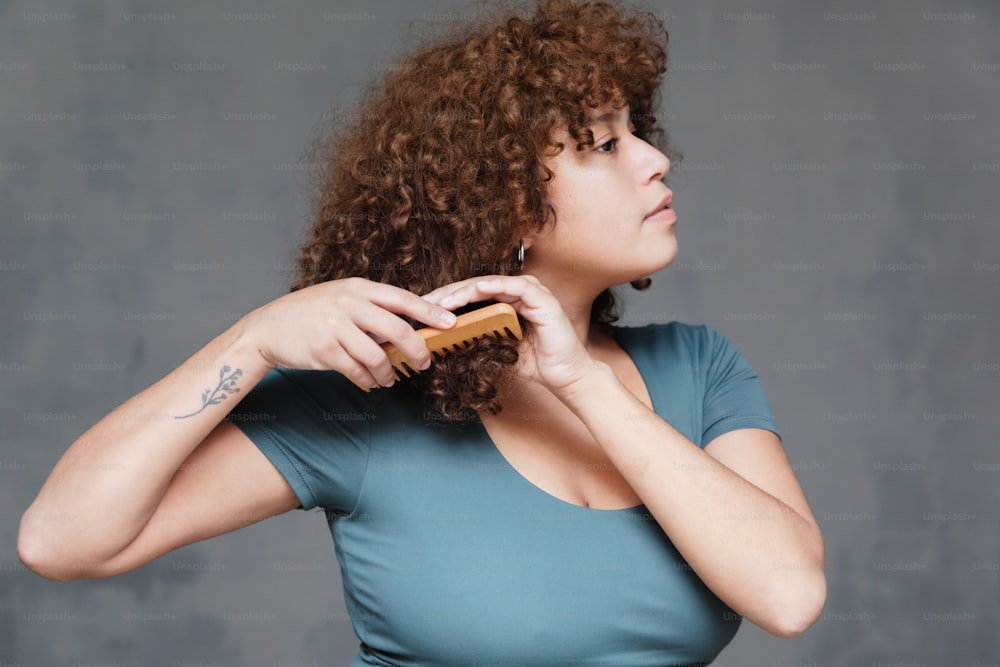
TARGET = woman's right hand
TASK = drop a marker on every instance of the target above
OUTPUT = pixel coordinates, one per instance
(338, 325)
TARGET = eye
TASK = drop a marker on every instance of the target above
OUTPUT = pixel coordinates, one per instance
(608, 146)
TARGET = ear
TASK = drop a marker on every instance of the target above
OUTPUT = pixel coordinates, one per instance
(530, 236)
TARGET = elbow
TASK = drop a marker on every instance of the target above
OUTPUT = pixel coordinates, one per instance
(40, 556)
(38, 559)
(799, 597)
(799, 607)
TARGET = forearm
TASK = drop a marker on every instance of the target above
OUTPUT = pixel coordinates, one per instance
(105, 487)
(751, 549)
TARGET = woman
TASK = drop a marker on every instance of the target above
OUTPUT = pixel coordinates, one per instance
(591, 495)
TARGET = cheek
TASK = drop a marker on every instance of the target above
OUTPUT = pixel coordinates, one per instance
(585, 199)
(591, 196)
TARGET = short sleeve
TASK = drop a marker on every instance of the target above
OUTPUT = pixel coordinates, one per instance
(734, 397)
(315, 427)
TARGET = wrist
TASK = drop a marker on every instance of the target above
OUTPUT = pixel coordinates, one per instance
(247, 340)
(587, 387)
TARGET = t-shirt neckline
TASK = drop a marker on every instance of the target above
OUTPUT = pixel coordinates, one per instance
(510, 469)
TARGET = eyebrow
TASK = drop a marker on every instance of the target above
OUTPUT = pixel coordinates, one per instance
(603, 118)
(608, 116)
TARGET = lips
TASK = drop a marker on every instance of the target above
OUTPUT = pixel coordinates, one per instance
(664, 203)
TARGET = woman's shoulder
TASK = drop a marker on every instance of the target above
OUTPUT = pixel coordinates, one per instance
(682, 336)
(323, 388)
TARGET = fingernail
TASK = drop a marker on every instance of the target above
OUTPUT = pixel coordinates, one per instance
(424, 366)
(447, 317)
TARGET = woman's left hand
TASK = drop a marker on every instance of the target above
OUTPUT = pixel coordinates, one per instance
(553, 355)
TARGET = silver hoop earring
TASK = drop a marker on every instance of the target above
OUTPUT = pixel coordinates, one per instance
(520, 256)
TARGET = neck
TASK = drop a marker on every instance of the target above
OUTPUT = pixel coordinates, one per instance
(577, 301)
(517, 394)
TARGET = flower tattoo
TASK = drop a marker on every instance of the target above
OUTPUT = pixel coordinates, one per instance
(226, 386)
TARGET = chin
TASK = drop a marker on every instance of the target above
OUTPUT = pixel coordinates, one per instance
(668, 259)
(636, 272)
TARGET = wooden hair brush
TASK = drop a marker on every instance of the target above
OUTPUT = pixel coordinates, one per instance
(498, 320)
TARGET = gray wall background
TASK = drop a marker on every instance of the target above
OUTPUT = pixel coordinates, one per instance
(837, 208)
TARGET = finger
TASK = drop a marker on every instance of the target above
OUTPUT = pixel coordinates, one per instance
(353, 371)
(375, 337)
(363, 385)
(366, 353)
(467, 291)
(382, 326)
(531, 293)
(509, 289)
(402, 301)
(436, 295)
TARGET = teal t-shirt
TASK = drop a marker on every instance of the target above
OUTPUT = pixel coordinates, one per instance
(450, 557)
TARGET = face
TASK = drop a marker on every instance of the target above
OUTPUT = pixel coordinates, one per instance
(603, 196)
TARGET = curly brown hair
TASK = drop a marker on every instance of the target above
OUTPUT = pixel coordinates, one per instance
(439, 171)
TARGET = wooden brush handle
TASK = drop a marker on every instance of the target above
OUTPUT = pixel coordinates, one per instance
(495, 320)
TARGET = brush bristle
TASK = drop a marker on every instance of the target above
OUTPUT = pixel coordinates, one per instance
(498, 320)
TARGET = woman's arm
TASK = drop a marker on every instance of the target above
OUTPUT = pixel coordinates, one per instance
(164, 469)
(109, 484)
(734, 510)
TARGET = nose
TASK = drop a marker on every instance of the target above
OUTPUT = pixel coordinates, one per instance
(653, 165)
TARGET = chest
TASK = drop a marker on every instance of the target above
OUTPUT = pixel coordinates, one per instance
(551, 448)
(453, 558)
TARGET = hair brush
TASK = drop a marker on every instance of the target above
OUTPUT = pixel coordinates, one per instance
(497, 320)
